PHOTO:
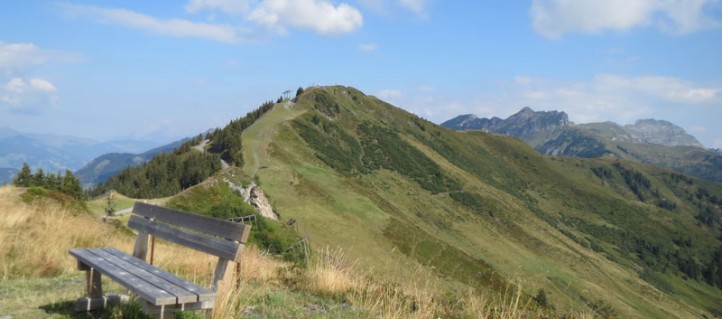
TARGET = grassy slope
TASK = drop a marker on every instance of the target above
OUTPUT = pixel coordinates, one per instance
(387, 222)
(46, 285)
(35, 285)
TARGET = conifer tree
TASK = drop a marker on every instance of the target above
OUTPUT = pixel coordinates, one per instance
(39, 178)
(71, 185)
(52, 181)
(24, 178)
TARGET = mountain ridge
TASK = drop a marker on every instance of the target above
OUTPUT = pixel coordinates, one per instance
(650, 141)
(54, 153)
(105, 166)
(473, 210)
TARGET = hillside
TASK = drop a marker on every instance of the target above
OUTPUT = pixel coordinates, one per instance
(105, 166)
(481, 210)
(327, 285)
(470, 210)
(649, 141)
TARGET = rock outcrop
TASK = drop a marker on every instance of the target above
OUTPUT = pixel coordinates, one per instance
(253, 195)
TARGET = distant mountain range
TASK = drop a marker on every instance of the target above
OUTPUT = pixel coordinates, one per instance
(107, 165)
(647, 141)
(55, 153)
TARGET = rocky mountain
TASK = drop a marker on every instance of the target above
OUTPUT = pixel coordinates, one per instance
(54, 153)
(103, 167)
(471, 210)
(661, 132)
(526, 123)
(648, 141)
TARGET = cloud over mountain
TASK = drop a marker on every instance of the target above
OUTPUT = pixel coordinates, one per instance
(555, 18)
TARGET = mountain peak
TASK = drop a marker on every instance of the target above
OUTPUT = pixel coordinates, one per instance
(524, 123)
(661, 132)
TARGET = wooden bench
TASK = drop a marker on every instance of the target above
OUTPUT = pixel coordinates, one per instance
(163, 293)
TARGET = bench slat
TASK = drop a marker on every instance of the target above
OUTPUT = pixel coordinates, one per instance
(203, 293)
(215, 246)
(218, 227)
(140, 287)
(183, 295)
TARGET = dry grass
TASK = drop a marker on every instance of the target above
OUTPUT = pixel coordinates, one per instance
(34, 243)
(34, 239)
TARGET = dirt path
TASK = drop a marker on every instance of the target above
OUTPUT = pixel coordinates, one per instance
(201, 147)
(257, 138)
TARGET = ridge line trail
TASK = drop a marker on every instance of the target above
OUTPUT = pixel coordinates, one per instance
(258, 137)
(201, 147)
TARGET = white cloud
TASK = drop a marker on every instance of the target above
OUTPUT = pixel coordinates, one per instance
(415, 6)
(368, 47)
(665, 88)
(42, 85)
(169, 27)
(20, 55)
(418, 7)
(318, 15)
(607, 97)
(227, 6)
(23, 95)
(554, 18)
(15, 85)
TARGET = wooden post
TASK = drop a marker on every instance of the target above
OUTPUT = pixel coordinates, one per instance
(140, 250)
(221, 274)
(95, 285)
(152, 248)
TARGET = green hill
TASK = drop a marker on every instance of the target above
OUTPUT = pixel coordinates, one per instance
(405, 197)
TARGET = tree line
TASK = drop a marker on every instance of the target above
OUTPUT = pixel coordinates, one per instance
(165, 175)
(67, 183)
(170, 173)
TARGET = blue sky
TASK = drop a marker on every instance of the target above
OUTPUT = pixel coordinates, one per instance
(165, 70)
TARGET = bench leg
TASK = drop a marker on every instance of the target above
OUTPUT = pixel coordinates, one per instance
(94, 289)
(93, 281)
(89, 304)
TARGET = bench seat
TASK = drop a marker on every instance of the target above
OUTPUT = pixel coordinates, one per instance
(158, 287)
(164, 293)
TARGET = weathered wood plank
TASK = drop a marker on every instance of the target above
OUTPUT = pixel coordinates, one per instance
(142, 288)
(218, 227)
(183, 295)
(211, 245)
(202, 293)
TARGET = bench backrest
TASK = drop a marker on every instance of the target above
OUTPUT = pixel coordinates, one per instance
(206, 234)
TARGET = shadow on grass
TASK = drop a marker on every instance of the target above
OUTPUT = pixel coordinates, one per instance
(67, 310)
(129, 310)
